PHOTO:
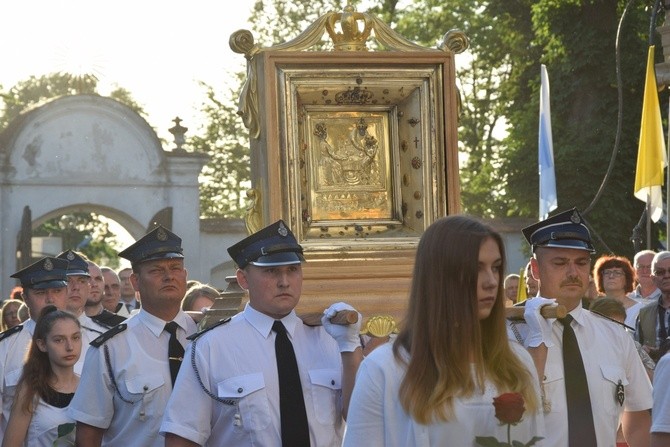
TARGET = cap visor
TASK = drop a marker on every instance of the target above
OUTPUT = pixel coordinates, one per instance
(55, 284)
(275, 259)
(567, 243)
(157, 256)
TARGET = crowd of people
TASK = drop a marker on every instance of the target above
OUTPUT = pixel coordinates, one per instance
(115, 358)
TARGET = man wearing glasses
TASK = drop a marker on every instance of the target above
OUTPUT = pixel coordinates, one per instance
(652, 327)
(646, 291)
(653, 330)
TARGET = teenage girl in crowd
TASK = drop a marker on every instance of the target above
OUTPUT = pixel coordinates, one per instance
(436, 383)
(47, 384)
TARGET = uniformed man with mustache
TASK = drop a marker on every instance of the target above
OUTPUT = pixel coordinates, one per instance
(592, 376)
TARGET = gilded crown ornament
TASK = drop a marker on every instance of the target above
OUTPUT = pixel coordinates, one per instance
(351, 38)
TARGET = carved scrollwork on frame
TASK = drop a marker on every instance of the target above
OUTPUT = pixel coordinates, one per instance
(349, 31)
(253, 216)
(455, 41)
(242, 41)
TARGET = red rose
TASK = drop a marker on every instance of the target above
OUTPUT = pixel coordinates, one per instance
(509, 408)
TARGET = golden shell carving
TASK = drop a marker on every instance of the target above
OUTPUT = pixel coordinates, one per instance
(380, 326)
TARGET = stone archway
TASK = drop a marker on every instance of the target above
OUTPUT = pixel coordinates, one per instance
(87, 152)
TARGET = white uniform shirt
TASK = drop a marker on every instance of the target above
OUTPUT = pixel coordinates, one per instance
(660, 414)
(90, 330)
(236, 362)
(610, 358)
(637, 296)
(43, 428)
(138, 359)
(13, 351)
(377, 418)
(88, 323)
(631, 314)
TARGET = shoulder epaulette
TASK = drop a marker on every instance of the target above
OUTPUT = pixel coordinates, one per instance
(109, 334)
(10, 332)
(207, 329)
(108, 319)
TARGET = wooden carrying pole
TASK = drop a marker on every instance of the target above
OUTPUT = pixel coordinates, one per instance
(350, 316)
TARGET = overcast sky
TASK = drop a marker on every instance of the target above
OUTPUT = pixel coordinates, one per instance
(158, 50)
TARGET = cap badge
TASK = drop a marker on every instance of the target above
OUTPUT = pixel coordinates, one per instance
(575, 218)
(282, 230)
(70, 256)
(48, 265)
(161, 235)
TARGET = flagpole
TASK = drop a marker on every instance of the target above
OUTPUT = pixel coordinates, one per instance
(648, 206)
(667, 191)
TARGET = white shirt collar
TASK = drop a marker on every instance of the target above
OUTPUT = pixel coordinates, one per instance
(157, 325)
(578, 314)
(263, 323)
(29, 325)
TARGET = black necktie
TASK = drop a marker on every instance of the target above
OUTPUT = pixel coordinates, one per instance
(581, 430)
(294, 428)
(175, 350)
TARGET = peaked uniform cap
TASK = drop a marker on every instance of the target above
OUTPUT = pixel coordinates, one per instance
(77, 266)
(563, 230)
(160, 243)
(47, 273)
(272, 246)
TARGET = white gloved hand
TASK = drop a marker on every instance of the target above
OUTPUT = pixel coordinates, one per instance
(347, 336)
(539, 328)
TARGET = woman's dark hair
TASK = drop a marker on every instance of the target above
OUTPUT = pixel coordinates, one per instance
(37, 372)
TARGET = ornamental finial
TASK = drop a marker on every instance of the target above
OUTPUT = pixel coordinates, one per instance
(351, 37)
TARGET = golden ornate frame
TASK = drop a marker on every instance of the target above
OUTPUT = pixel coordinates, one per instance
(356, 150)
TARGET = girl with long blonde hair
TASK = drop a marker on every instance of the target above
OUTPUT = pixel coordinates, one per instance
(435, 385)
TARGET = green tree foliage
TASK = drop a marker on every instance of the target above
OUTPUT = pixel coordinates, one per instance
(499, 80)
(85, 233)
(224, 138)
(577, 43)
(482, 73)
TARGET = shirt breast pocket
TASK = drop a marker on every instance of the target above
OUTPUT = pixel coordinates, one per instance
(144, 387)
(248, 393)
(554, 387)
(613, 385)
(326, 393)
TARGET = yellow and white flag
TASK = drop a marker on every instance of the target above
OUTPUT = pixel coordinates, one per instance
(651, 156)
